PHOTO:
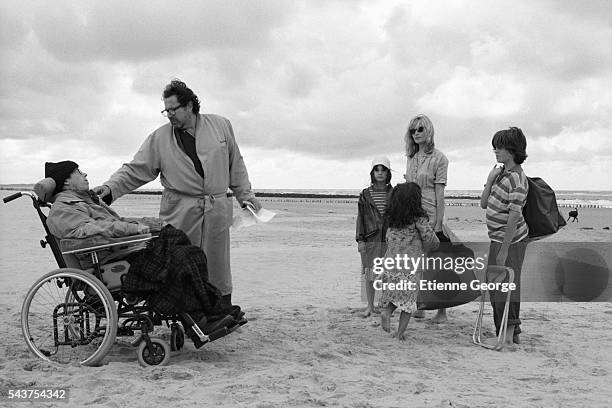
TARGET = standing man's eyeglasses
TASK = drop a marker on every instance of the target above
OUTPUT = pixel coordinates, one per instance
(171, 111)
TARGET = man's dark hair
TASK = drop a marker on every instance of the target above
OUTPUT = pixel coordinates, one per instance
(514, 141)
(405, 205)
(183, 94)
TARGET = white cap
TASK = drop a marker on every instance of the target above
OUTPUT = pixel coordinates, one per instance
(381, 160)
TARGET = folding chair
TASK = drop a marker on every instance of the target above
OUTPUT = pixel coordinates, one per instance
(495, 274)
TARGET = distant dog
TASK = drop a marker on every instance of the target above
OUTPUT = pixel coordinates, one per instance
(573, 214)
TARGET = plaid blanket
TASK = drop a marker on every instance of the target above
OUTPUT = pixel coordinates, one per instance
(171, 274)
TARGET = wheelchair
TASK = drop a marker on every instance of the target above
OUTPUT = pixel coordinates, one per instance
(73, 315)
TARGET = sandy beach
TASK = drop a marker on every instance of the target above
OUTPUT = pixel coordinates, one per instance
(297, 278)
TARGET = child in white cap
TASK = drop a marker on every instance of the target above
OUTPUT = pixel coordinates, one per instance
(371, 228)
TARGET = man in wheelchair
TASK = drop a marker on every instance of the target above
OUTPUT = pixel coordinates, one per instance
(170, 273)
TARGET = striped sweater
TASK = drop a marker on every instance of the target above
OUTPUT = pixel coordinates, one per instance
(508, 193)
(380, 199)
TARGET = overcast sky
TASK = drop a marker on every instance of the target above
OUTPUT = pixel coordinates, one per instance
(314, 89)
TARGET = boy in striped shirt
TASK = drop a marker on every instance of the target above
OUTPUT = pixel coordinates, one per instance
(504, 197)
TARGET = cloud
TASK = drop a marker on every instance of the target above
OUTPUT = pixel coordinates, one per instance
(13, 27)
(139, 30)
(472, 94)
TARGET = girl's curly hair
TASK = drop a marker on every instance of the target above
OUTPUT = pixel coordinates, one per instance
(405, 205)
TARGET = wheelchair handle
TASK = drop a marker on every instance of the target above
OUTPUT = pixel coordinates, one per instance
(11, 197)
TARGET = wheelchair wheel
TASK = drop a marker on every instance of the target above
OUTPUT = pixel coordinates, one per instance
(158, 354)
(177, 337)
(69, 316)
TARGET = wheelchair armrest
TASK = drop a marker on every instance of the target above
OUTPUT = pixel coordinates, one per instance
(96, 243)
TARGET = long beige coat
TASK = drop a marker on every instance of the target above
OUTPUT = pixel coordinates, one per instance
(198, 206)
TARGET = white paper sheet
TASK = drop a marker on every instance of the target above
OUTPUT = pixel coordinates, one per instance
(262, 215)
(248, 217)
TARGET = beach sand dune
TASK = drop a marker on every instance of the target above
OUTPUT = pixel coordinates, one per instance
(297, 279)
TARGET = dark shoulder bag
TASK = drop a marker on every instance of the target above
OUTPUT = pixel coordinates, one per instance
(541, 212)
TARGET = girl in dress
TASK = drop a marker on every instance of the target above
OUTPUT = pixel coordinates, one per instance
(370, 230)
(410, 234)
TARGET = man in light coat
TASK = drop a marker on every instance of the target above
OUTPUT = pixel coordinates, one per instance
(197, 159)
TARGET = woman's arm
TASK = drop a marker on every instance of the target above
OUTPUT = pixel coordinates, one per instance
(440, 203)
(440, 178)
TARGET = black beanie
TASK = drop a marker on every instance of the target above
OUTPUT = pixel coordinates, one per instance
(59, 172)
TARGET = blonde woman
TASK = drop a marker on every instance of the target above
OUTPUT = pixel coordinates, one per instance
(427, 167)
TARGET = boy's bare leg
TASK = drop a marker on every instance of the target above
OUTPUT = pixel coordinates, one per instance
(403, 323)
(440, 317)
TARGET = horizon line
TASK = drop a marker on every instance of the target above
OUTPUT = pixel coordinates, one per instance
(14, 186)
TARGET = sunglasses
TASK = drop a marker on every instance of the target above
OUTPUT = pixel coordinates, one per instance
(420, 129)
